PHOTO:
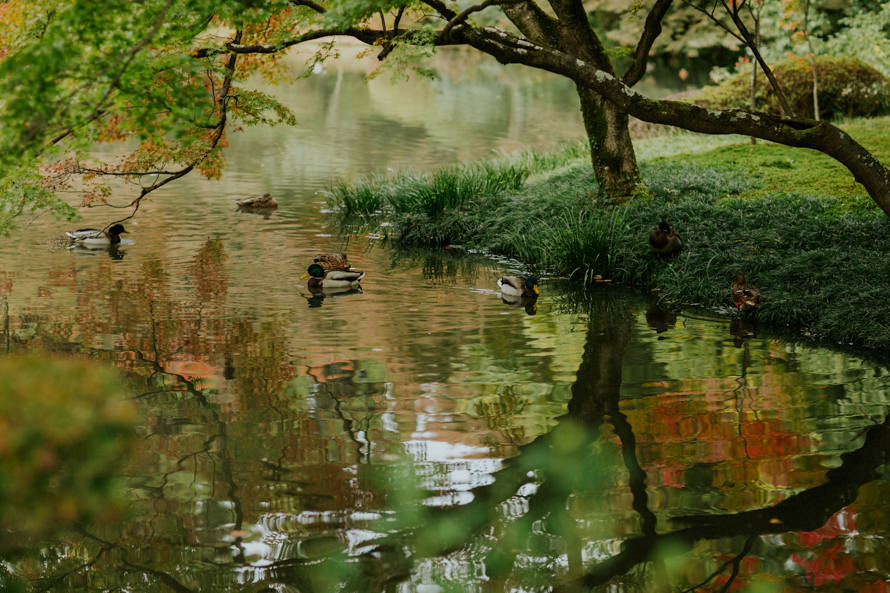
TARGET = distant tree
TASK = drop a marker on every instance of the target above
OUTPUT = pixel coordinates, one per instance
(165, 73)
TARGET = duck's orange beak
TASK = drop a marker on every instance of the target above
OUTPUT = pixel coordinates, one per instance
(536, 289)
(306, 275)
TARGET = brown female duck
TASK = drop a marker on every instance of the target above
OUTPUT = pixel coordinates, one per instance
(665, 241)
(745, 296)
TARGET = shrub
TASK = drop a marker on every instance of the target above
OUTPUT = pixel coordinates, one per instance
(847, 88)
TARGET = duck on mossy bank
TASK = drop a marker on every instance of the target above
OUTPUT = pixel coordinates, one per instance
(332, 280)
(745, 296)
(665, 241)
(96, 237)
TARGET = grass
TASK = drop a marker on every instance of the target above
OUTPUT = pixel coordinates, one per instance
(792, 220)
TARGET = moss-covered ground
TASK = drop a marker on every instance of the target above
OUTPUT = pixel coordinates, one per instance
(792, 220)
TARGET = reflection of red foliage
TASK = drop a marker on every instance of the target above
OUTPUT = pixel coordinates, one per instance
(831, 562)
(699, 423)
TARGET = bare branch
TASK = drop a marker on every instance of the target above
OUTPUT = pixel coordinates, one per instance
(743, 35)
(465, 13)
(651, 31)
(395, 23)
(310, 4)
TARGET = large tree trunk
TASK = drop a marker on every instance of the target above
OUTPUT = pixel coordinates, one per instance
(611, 148)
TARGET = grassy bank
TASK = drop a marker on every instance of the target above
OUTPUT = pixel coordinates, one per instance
(792, 220)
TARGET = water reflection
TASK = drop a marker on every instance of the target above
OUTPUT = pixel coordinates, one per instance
(266, 464)
(424, 435)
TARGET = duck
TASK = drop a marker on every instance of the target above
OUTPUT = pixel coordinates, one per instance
(263, 201)
(96, 237)
(321, 279)
(665, 241)
(525, 286)
(332, 261)
(745, 296)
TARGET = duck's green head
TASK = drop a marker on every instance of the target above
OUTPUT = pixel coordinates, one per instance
(117, 229)
(531, 283)
(316, 271)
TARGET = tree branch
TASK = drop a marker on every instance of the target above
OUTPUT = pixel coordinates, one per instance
(310, 4)
(651, 31)
(743, 35)
(465, 13)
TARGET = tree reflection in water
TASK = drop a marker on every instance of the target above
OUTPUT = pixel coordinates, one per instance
(274, 475)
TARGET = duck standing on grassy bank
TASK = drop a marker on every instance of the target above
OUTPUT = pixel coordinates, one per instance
(665, 241)
(745, 296)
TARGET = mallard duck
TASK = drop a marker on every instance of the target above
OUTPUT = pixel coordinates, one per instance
(332, 261)
(665, 241)
(526, 286)
(745, 296)
(263, 201)
(96, 237)
(332, 279)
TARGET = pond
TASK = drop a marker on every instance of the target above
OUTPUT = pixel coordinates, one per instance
(422, 435)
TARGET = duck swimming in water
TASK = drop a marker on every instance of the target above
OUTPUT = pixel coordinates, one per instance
(96, 237)
(337, 280)
(526, 286)
(258, 202)
(332, 261)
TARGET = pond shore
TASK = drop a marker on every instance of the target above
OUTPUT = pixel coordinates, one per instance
(792, 220)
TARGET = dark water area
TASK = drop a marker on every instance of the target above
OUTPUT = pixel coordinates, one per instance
(422, 435)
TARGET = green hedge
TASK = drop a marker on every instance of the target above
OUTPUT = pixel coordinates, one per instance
(847, 88)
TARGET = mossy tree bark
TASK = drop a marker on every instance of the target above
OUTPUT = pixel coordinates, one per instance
(611, 148)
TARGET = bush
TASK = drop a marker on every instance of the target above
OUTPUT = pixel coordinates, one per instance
(64, 428)
(847, 88)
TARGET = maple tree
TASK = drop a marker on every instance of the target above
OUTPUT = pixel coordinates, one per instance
(165, 75)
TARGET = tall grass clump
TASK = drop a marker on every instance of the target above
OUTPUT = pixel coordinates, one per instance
(583, 243)
(429, 194)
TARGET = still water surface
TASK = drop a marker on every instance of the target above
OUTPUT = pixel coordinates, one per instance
(422, 435)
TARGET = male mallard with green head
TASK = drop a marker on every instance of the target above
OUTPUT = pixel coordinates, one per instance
(745, 296)
(96, 237)
(258, 202)
(525, 286)
(665, 241)
(319, 278)
(332, 261)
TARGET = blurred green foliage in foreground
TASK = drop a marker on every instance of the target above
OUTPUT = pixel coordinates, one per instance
(64, 427)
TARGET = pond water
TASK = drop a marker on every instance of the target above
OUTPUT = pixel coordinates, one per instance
(422, 435)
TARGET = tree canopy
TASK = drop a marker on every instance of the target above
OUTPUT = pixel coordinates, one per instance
(165, 78)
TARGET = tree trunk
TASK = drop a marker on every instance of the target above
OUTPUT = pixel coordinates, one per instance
(611, 148)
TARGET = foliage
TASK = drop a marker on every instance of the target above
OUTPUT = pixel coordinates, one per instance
(864, 35)
(64, 426)
(847, 88)
(72, 76)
